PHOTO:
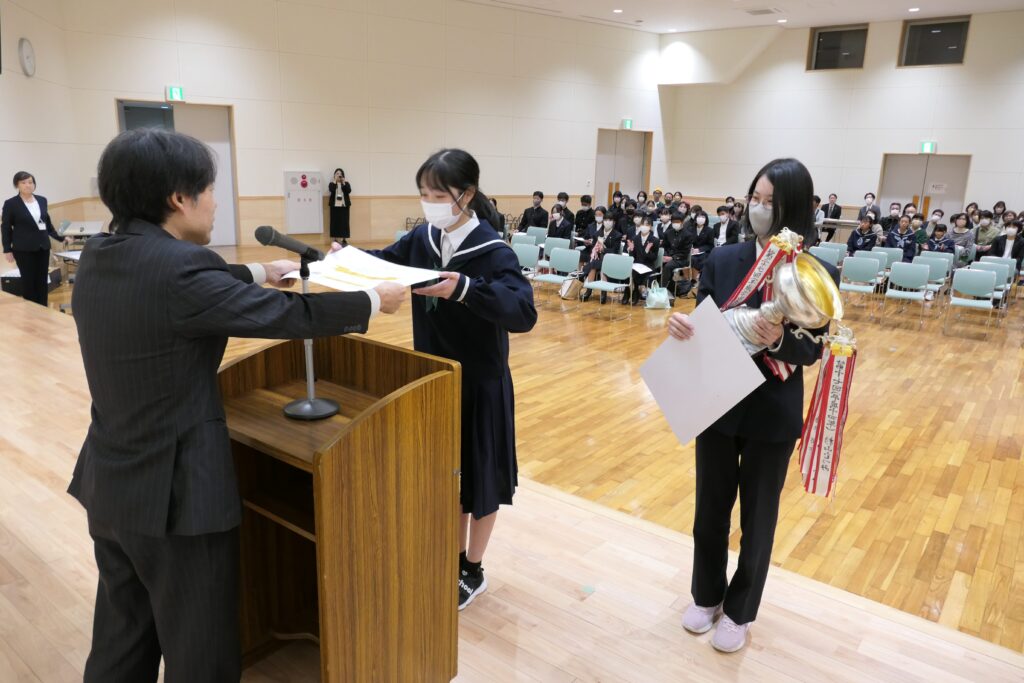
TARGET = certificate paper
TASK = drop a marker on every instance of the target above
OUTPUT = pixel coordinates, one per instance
(697, 381)
(353, 270)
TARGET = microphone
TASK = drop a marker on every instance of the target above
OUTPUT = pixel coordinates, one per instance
(269, 237)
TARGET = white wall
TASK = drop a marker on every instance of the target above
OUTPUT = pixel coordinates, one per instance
(370, 85)
(840, 123)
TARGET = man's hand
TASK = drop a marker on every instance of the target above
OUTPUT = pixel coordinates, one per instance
(335, 247)
(276, 270)
(441, 290)
(391, 296)
(10, 257)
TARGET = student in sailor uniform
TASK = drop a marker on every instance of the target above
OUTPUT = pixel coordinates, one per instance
(863, 238)
(748, 449)
(903, 238)
(467, 317)
(939, 242)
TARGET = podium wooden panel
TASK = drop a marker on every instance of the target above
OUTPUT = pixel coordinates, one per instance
(350, 530)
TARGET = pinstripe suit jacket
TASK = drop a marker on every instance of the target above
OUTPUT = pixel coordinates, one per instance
(153, 315)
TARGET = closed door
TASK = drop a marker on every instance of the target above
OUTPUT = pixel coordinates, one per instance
(930, 181)
(212, 125)
(621, 163)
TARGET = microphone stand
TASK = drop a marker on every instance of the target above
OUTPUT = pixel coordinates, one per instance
(311, 407)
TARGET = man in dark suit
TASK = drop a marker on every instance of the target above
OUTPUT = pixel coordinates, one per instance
(154, 309)
(832, 210)
(536, 216)
(727, 231)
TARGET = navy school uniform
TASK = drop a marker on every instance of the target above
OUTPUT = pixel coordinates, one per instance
(906, 241)
(861, 242)
(944, 245)
(562, 230)
(474, 332)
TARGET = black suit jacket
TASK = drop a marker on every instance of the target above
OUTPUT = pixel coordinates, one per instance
(641, 254)
(732, 232)
(773, 411)
(999, 246)
(563, 229)
(19, 230)
(534, 217)
(346, 192)
(835, 212)
(153, 316)
(705, 240)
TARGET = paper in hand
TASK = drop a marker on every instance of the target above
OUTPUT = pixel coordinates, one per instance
(697, 381)
(353, 270)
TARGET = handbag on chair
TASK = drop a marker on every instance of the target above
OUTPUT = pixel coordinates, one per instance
(571, 287)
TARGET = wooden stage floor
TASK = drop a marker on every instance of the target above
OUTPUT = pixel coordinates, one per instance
(928, 516)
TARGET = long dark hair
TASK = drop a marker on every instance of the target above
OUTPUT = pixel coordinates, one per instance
(456, 168)
(336, 173)
(792, 198)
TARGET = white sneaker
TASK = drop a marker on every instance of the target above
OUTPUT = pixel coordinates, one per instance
(699, 620)
(730, 636)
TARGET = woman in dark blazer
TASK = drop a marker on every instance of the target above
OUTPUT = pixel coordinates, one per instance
(748, 449)
(341, 202)
(26, 229)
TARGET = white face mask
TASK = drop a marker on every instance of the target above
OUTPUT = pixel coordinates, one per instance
(645, 229)
(1011, 233)
(894, 212)
(608, 225)
(599, 220)
(701, 220)
(440, 215)
(985, 222)
(916, 224)
(760, 219)
(722, 220)
(617, 199)
(729, 205)
(677, 226)
(935, 219)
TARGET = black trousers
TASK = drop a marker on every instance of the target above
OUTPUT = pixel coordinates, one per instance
(757, 469)
(668, 270)
(34, 267)
(175, 596)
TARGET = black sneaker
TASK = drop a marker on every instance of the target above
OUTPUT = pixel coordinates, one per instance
(470, 586)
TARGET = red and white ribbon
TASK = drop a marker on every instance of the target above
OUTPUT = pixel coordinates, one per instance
(822, 438)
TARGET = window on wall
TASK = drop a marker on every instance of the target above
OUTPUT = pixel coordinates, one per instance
(934, 41)
(838, 48)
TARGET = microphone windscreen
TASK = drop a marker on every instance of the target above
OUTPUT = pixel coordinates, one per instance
(265, 235)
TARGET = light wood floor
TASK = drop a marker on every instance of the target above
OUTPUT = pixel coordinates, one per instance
(929, 510)
(578, 592)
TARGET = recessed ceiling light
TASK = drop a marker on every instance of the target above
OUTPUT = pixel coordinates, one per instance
(617, 11)
(672, 30)
(783, 21)
(914, 9)
(937, 30)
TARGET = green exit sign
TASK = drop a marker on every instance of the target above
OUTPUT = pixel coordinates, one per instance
(627, 124)
(175, 93)
(928, 147)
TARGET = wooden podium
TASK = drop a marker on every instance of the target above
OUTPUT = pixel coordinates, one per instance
(349, 534)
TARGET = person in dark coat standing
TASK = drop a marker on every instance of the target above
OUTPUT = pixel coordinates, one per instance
(467, 317)
(536, 216)
(154, 309)
(748, 449)
(341, 202)
(27, 229)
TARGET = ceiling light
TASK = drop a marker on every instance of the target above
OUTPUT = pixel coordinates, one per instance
(672, 30)
(914, 9)
(617, 11)
(937, 30)
(783, 21)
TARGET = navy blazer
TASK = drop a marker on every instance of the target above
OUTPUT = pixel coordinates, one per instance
(154, 314)
(19, 230)
(773, 411)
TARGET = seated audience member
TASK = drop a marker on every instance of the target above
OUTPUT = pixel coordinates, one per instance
(939, 242)
(607, 241)
(1008, 217)
(627, 221)
(737, 214)
(663, 222)
(644, 250)
(936, 219)
(1009, 244)
(869, 206)
(903, 238)
(975, 217)
(730, 202)
(590, 236)
(833, 211)
(616, 210)
(998, 210)
(559, 225)
(971, 209)
(963, 239)
(585, 216)
(652, 210)
(819, 218)
(922, 230)
(987, 232)
(864, 238)
(563, 201)
(910, 209)
(535, 216)
(677, 243)
(657, 197)
(727, 231)
(703, 238)
(500, 227)
(891, 221)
